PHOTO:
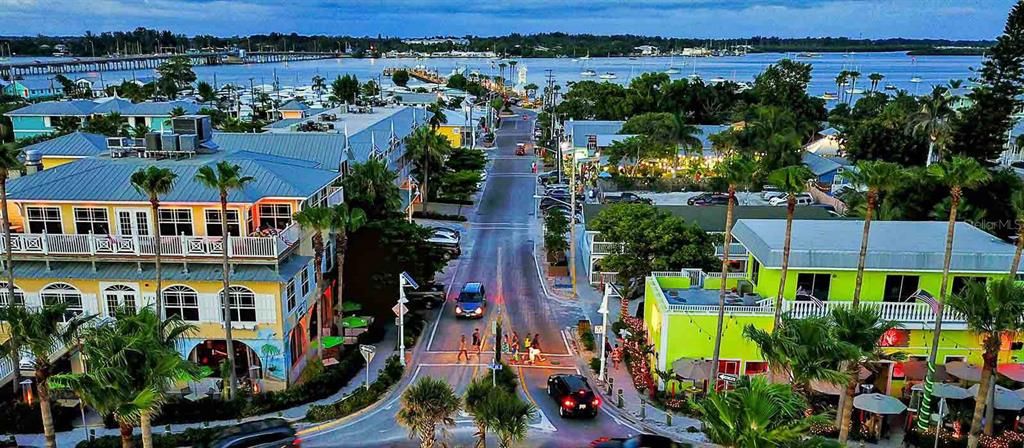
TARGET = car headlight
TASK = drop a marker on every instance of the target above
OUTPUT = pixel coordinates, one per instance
(479, 311)
(458, 309)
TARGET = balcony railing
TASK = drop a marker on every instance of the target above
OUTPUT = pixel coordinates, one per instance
(182, 246)
(604, 247)
(907, 312)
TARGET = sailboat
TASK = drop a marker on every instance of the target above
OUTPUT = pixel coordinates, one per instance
(694, 76)
(914, 78)
(588, 73)
(672, 70)
(608, 75)
(587, 57)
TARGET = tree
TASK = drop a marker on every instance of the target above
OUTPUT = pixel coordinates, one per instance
(1016, 203)
(854, 76)
(437, 115)
(460, 185)
(344, 220)
(140, 130)
(772, 136)
(425, 147)
(225, 177)
(110, 125)
(991, 310)
(756, 413)
(206, 92)
(877, 177)
(784, 85)
(319, 86)
(318, 220)
(370, 186)
(428, 403)
(477, 397)
(556, 225)
(154, 182)
(736, 171)
(640, 149)
(400, 78)
(512, 416)
(10, 161)
(41, 331)
(875, 79)
(841, 79)
(932, 119)
(465, 159)
(344, 89)
(178, 71)
(862, 329)
(956, 174)
(370, 89)
(66, 125)
(791, 180)
(806, 349)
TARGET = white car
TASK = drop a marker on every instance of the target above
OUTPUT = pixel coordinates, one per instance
(801, 199)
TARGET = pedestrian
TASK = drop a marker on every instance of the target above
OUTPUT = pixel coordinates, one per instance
(477, 341)
(536, 347)
(505, 346)
(527, 347)
(616, 356)
(514, 347)
(533, 167)
(515, 339)
(462, 349)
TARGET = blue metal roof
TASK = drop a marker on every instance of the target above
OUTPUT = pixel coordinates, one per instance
(327, 150)
(78, 108)
(39, 83)
(74, 144)
(285, 123)
(170, 272)
(414, 98)
(294, 105)
(820, 165)
(580, 129)
(119, 105)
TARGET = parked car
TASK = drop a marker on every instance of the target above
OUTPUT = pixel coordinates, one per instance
(710, 199)
(472, 301)
(627, 197)
(547, 177)
(429, 295)
(520, 149)
(769, 191)
(801, 199)
(448, 242)
(267, 433)
(638, 441)
(574, 396)
(446, 231)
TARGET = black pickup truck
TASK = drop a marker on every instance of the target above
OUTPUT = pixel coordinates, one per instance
(626, 198)
(428, 296)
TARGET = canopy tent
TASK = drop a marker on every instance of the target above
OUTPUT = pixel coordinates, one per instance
(692, 369)
(355, 322)
(1012, 371)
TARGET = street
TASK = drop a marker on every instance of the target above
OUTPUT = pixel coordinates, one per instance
(498, 252)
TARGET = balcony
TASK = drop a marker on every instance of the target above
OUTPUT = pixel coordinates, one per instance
(120, 247)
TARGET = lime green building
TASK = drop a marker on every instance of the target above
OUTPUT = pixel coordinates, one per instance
(680, 308)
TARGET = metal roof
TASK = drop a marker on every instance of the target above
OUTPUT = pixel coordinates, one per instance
(326, 150)
(171, 272)
(79, 108)
(711, 218)
(414, 98)
(580, 129)
(294, 105)
(73, 144)
(89, 107)
(893, 245)
(820, 165)
(285, 123)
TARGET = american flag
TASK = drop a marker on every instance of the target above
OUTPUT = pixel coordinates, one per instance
(925, 297)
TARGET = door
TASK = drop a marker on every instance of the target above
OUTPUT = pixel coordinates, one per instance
(132, 222)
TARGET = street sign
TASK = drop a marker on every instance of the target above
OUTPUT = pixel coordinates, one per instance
(727, 377)
(400, 309)
(598, 329)
(494, 366)
(368, 351)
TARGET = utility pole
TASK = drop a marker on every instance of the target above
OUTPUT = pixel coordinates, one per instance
(572, 219)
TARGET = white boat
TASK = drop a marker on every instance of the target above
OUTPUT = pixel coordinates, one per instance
(718, 79)
(588, 73)
(890, 87)
(608, 75)
(915, 79)
(855, 91)
(672, 70)
(693, 76)
(829, 96)
(585, 58)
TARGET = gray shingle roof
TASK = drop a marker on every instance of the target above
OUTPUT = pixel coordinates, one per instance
(73, 144)
(893, 245)
(818, 164)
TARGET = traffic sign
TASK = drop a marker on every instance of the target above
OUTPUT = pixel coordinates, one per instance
(727, 377)
(598, 329)
(368, 351)
(494, 366)
(409, 281)
(400, 309)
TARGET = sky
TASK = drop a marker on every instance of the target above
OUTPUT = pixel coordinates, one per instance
(949, 19)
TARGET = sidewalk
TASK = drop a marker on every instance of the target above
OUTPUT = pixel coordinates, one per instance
(386, 347)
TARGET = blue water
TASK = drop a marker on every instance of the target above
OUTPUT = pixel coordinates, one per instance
(897, 67)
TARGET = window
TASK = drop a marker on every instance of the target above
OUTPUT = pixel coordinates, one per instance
(120, 299)
(44, 219)
(92, 220)
(63, 293)
(181, 301)
(899, 288)
(305, 281)
(5, 295)
(213, 223)
(175, 221)
(243, 304)
(755, 270)
(816, 285)
(289, 292)
(276, 216)
(959, 283)
(755, 368)
(138, 121)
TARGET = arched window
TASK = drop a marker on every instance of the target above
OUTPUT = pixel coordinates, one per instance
(5, 295)
(182, 301)
(120, 298)
(243, 304)
(63, 293)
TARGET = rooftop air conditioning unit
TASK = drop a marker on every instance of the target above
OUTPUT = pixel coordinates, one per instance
(152, 141)
(188, 143)
(198, 125)
(169, 142)
(115, 143)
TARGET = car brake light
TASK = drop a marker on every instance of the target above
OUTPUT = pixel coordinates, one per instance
(596, 402)
(297, 443)
(568, 403)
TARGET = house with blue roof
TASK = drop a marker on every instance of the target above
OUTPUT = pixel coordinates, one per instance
(34, 89)
(594, 135)
(828, 171)
(41, 118)
(293, 109)
(67, 148)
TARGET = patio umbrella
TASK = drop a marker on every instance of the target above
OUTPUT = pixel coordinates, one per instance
(692, 369)
(333, 341)
(915, 370)
(355, 322)
(1005, 399)
(964, 371)
(350, 307)
(878, 404)
(947, 390)
(1012, 371)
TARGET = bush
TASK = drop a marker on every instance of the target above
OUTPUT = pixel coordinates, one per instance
(617, 327)
(587, 338)
(438, 216)
(361, 398)
(189, 437)
(595, 365)
(20, 418)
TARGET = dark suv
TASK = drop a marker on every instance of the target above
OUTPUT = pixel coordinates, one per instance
(472, 301)
(573, 395)
(710, 199)
(267, 433)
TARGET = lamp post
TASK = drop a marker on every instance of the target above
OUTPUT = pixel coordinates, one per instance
(604, 328)
(566, 146)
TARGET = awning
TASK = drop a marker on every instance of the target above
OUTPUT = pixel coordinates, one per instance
(914, 370)
(333, 341)
(878, 404)
(355, 322)
(349, 306)
(827, 388)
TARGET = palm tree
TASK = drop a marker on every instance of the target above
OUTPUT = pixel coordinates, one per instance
(425, 147)
(992, 311)
(862, 329)
(42, 331)
(877, 177)
(155, 182)
(10, 161)
(840, 80)
(933, 119)
(875, 78)
(502, 66)
(478, 395)
(1016, 203)
(854, 76)
(756, 413)
(319, 85)
(736, 171)
(805, 349)
(437, 115)
(428, 403)
(344, 220)
(791, 180)
(225, 177)
(318, 220)
(956, 174)
(371, 187)
(512, 416)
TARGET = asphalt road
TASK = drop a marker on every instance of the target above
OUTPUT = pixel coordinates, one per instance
(498, 252)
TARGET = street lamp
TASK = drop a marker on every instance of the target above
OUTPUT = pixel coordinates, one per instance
(604, 328)
(566, 146)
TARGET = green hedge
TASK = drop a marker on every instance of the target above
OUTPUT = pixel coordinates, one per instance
(190, 437)
(20, 418)
(361, 398)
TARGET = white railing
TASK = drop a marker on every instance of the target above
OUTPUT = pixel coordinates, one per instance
(910, 312)
(6, 369)
(598, 277)
(604, 247)
(696, 276)
(760, 309)
(171, 246)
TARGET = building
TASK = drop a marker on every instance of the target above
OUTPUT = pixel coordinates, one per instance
(828, 171)
(595, 135)
(68, 148)
(646, 50)
(34, 89)
(904, 258)
(457, 128)
(293, 109)
(41, 118)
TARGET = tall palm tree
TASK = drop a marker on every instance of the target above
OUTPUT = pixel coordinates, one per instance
(756, 413)
(42, 331)
(155, 182)
(437, 115)
(1017, 204)
(791, 180)
(877, 177)
(512, 417)
(736, 171)
(318, 220)
(854, 76)
(862, 329)
(425, 147)
(956, 174)
(428, 403)
(477, 396)
(319, 86)
(933, 119)
(991, 310)
(841, 79)
(512, 70)
(371, 187)
(344, 220)
(10, 161)
(225, 177)
(502, 66)
(875, 78)
(805, 349)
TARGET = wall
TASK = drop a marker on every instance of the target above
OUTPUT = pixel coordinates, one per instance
(452, 133)
(29, 126)
(55, 161)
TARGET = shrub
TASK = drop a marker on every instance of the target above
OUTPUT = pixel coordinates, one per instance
(20, 418)
(617, 327)
(189, 437)
(506, 378)
(361, 398)
(587, 338)
(595, 365)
